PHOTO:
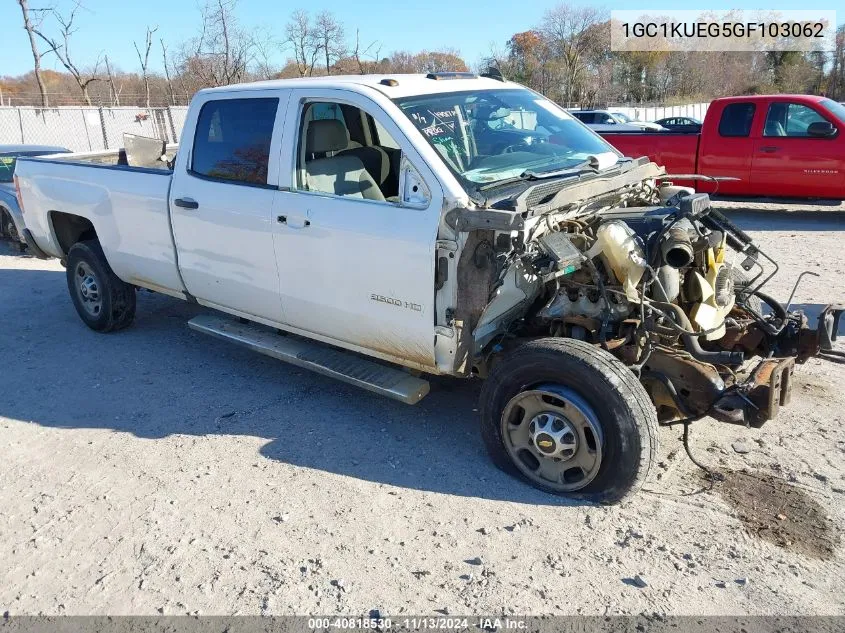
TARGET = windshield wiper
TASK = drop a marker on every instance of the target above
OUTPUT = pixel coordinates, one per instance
(596, 163)
(592, 165)
(529, 175)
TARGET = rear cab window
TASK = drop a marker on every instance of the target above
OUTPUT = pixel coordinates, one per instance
(736, 119)
(232, 140)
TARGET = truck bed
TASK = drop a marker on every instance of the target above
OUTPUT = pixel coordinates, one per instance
(126, 204)
(676, 151)
(117, 158)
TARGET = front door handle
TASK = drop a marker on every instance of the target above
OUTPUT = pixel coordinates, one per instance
(769, 149)
(186, 203)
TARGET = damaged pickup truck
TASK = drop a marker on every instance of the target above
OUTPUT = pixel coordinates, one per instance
(376, 229)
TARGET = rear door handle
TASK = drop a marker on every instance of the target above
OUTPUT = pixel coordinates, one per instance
(769, 149)
(186, 203)
(294, 223)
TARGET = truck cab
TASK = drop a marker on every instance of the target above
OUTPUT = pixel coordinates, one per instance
(775, 145)
(321, 183)
(790, 146)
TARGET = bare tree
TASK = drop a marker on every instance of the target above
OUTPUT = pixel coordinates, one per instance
(220, 54)
(114, 93)
(167, 73)
(357, 54)
(36, 54)
(145, 62)
(61, 49)
(329, 33)
(836, 88)
(571, 32)
(266, 44)
(301, 35)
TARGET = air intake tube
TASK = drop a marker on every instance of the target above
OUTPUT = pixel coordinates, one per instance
(676, 245)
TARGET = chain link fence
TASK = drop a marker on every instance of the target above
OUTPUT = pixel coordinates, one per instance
(657, 112)
(83, 129)
(653, 112)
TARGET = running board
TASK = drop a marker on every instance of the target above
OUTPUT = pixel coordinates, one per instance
(382, 379)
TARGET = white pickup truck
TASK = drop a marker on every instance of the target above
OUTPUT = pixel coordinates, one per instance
(377, 229)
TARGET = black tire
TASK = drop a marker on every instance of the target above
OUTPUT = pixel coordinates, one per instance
(622, 407)
(116, 297)
(741, 282)
(5, 223)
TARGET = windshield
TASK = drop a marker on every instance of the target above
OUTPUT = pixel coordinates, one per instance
(837, 109)
(622, 118)
(487, 136)
(7, 168)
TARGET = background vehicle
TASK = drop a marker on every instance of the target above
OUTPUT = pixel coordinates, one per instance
(680, 124)
(11, 222)
(773, 145)
(607, 117)
(414, 220)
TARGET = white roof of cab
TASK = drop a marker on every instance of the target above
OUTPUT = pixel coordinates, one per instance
(408, 85)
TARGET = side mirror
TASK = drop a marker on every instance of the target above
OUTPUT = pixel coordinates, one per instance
(412, 189)
(821, 129)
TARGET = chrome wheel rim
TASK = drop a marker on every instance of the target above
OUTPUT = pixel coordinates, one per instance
(553, 437)
(88, 289)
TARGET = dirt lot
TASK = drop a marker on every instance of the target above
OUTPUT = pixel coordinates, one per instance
(159, 471)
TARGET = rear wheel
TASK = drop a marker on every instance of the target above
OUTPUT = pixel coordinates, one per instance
(103, 301)
(570, 419)
(7, 227)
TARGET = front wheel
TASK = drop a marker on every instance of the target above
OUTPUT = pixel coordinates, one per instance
(103, 301)
(570, 419)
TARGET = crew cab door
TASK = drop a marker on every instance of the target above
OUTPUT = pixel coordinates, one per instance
(725, 148)
(221, 202)
(789, 162)
(354, 235)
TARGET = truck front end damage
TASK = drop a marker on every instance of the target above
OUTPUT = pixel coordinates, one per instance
(654, 275)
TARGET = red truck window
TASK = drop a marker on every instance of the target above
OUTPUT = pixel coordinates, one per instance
(790, 119)
(736, 119)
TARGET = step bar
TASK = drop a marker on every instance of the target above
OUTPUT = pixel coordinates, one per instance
(367, 374)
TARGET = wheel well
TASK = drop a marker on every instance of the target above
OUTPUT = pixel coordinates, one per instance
(70, 229)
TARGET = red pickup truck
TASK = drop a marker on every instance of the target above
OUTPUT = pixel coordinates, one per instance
(774, 145)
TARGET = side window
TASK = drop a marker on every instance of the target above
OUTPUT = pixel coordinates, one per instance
(232, 140)
(328, 162)
(384, 139)
(790, 119)
(736, 119)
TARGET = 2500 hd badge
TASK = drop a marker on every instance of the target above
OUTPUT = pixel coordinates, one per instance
(416, 307)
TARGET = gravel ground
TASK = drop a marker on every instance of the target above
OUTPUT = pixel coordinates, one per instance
(160, 471)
